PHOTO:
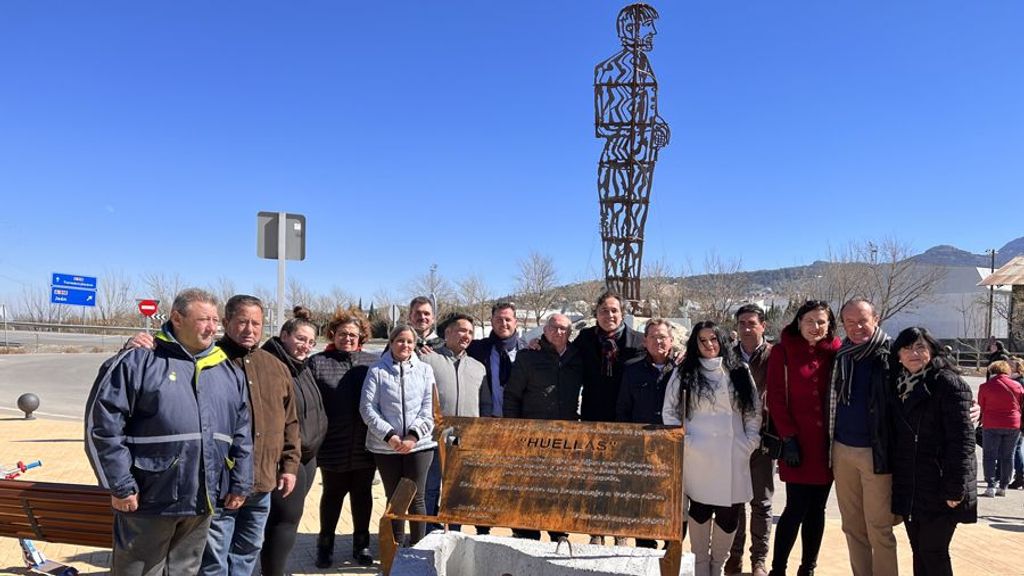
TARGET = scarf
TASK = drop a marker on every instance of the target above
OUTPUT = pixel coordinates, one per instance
(906, 382)
(848, 355)
(504, 346)
(609, 348)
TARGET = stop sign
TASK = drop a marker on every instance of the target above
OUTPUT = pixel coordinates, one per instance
(148, 307)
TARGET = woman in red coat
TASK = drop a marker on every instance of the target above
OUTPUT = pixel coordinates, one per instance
(799, 370)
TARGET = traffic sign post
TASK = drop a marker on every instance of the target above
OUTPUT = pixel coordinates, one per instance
(72, 296)
(72, 289)
(280, 236)
(148, 308)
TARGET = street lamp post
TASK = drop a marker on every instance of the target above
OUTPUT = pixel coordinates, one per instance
(991, 291)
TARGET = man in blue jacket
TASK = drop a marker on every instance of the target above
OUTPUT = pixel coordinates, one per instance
(168, 433)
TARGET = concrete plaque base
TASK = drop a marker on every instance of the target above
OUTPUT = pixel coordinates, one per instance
(457, 554)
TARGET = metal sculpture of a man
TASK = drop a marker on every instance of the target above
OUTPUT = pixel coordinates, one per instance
(626, 116)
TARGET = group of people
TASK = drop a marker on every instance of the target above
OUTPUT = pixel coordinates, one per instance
(214, 468)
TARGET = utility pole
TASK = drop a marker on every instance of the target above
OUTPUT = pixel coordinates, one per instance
(991, 291)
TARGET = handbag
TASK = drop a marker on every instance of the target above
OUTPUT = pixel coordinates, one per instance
(771, 441)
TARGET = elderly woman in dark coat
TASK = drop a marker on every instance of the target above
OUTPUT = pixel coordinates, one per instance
(934, 467)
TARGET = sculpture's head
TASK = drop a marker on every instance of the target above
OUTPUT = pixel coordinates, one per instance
(635, 25)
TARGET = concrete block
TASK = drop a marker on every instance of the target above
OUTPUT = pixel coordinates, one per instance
(458, 554)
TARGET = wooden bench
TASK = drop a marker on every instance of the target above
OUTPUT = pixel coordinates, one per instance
(60, 513)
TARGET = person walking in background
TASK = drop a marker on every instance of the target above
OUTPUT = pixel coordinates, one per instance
(798, 381)
(714, 394)
(346, 467)
(292, 347)
(397, 406)
(1000, 399)
(934, 467)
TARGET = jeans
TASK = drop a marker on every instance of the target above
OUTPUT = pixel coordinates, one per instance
(236, 537)
(804, 514)
(929, 541)
(998, 447)
(761, 470)
(433, 493)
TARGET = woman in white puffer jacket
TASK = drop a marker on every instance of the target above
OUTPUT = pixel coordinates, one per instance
(397, 406)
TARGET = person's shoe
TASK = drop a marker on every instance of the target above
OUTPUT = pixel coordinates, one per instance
(363, 557)
(1000, 491)
(734, 565)
(805, 571)
(989, 493)
(758, 570)
(1017, 483)
(324, 551)
(597, 540)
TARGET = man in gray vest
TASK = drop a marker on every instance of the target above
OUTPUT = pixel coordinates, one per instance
(462, 390)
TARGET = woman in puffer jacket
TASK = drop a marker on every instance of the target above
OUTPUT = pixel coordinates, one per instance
(397, 406)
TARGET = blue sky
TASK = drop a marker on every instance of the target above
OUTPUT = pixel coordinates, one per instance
(144, 137)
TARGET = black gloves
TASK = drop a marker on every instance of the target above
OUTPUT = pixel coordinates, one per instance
(791, 452)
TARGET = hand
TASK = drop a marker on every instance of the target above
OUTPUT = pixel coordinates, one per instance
(140, 340)
(677, 356)
(424, 350)
(791, 452)
(286, 483)
(408, 443)
(233, 501)
(128, 504)
(533, 344)
(975, 412)
(953, 503)
(395, 442)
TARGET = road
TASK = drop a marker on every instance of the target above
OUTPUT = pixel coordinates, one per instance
(62, 381)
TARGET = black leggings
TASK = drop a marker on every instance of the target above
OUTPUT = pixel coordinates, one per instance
(727, 517)
(394, 467)
(805, 504)
(283, 522)
(358, 484)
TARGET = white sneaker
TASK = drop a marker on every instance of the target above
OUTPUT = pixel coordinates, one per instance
(989, 493)
(1000, 491)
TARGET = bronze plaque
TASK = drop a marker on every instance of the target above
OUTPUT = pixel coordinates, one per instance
(582, 477)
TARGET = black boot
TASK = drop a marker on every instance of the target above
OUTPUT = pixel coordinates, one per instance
(805, 570)
(325, 550)
(361, 549)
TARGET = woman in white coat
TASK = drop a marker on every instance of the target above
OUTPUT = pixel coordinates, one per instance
(397, 406)
(713, 394)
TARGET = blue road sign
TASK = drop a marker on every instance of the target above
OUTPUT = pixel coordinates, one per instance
(72, 281)
(72, 296)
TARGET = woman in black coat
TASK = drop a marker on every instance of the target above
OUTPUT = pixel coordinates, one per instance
(296, 341)
(346, 467)
(934, 467)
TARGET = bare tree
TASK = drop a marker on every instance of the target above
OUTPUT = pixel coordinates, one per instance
(716, 289)
(582, 294)
(433, 284)
(224, 289)
(474, 297)
(536, 283)
(885, 273)
(297, 293)
(658, 289)
(163, 287)
(115, 301)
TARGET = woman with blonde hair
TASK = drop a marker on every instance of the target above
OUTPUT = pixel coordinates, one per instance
(1000, 400)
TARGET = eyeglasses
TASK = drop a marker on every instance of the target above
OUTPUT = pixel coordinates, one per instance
(311, 342)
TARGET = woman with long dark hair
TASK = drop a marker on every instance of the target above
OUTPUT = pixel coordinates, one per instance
(799, 371)
(933, 462)
(714, 395)
(292, 347)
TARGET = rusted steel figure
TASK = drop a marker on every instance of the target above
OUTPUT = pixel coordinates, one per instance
(626, 116)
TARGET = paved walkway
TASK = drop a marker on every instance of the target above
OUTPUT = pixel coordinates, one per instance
(994, 546)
